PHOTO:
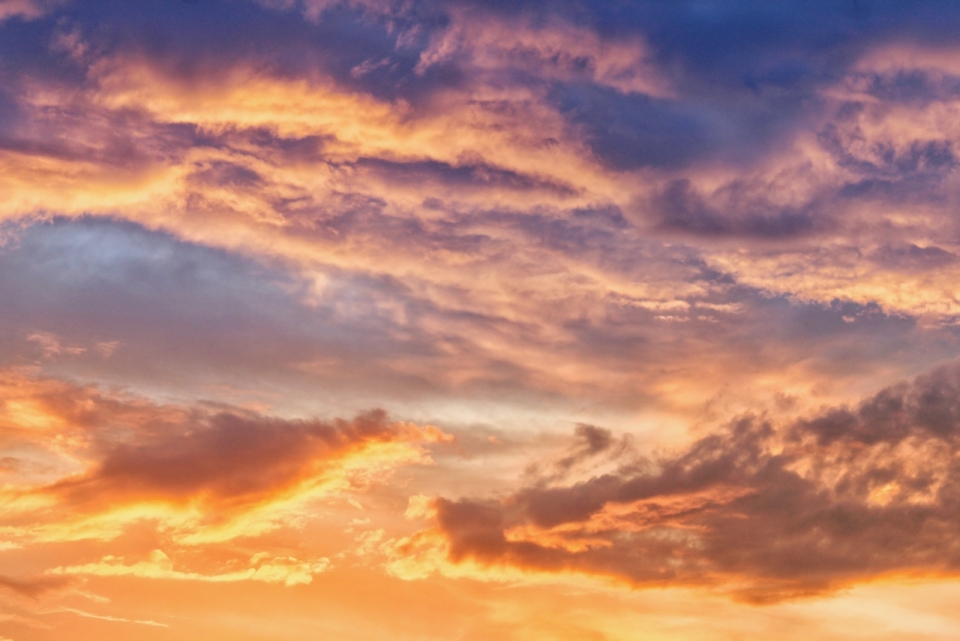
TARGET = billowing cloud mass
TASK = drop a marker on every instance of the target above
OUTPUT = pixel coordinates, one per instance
(300, 302)
(767, 511)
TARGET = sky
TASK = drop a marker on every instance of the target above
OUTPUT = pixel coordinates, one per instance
(432, 320)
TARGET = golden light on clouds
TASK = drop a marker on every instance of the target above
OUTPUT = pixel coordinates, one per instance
(458, 320)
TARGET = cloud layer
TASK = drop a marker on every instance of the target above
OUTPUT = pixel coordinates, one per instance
(696, 234)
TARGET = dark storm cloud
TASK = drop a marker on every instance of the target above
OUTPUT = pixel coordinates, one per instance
(766, 512)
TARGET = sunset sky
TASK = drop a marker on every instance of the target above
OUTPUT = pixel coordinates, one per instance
(479, 320)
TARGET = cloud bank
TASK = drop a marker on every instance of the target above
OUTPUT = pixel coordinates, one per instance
(765, 511)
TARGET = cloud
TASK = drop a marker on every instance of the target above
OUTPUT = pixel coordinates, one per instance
(258, 215)
(253, 149)
(27, 9)
(736, 210)
(227, 457)
(33, 587)
(50, 345)
(763, 511)
(610, 316)
(201, 473)
(285, 570)
(636, 131)
(106, 617)
(491, 49)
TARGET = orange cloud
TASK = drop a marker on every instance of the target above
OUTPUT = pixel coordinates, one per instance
(202, 474)
(288, 571)
(764, 512)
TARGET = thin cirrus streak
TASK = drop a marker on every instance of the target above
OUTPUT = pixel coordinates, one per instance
(714, 240)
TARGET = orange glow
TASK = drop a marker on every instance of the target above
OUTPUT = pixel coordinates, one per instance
(363, 320)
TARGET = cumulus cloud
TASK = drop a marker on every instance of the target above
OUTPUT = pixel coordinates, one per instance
(761, 510)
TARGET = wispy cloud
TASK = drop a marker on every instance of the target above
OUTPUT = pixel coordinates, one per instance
(288, 571)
